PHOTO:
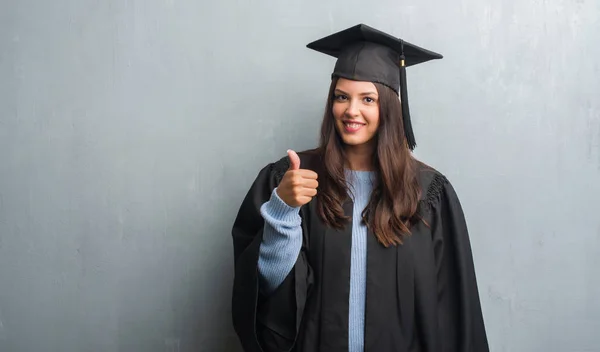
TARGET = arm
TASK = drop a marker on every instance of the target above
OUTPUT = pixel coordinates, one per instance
(264, 323)
(459, 310)
(281, 242)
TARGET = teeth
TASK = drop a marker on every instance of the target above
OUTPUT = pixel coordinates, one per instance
(353, 125)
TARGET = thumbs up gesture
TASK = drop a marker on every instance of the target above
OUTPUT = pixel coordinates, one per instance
(298, 186)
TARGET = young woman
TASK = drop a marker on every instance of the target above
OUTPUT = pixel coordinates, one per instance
(356, 245)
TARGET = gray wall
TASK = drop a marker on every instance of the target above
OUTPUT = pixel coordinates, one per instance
(130, 131)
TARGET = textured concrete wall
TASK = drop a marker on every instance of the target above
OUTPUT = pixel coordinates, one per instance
(130, 131)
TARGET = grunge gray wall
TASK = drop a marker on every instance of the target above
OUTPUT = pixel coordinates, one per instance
(130, 131)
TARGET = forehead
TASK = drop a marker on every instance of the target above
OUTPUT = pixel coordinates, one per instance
(351, 86)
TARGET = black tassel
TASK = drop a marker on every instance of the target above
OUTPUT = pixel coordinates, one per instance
(408, 130)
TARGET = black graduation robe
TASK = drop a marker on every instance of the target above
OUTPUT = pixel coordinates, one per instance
(420, 296)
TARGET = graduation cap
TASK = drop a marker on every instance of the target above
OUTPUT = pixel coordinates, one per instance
(367, 54)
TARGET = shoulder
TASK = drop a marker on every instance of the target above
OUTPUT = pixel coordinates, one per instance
(309, 159)
(434, 185)
(430, 179)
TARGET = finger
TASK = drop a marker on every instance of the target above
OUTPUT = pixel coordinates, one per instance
(309, 192)
(308, 174)
(294, 160)
(310, 183)
(304, 200)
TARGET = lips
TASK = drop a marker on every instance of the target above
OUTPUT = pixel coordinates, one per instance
(352, 126)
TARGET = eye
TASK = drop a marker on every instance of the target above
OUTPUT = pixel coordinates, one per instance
(369, 100)
(340, 97)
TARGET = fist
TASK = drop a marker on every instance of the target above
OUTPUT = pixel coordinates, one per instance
(298, 186)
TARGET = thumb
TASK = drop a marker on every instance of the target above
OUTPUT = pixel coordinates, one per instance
(294, 160)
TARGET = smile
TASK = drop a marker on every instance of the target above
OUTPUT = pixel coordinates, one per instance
(352, 127)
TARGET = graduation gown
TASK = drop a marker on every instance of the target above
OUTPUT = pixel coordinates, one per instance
(420, 296)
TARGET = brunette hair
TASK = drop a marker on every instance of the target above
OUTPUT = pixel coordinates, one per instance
(395, 197)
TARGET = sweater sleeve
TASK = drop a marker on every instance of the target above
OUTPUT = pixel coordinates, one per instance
(281, 242)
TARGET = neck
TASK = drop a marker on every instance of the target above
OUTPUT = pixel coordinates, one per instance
(360, 157)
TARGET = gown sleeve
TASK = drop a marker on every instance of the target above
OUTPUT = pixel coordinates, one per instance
(265, 323)
(461, 324)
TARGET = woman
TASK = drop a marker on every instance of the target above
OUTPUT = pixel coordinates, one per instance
(357, 246)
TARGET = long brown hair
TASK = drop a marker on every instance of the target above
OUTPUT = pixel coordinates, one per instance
(394, 200)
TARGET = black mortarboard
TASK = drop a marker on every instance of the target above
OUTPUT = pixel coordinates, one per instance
(367, 54)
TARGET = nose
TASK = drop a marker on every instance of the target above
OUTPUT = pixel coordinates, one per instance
(352, 110)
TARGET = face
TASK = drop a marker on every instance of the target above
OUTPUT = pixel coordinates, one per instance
(356, 111)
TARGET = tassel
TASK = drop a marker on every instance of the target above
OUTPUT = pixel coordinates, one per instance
(408, 130)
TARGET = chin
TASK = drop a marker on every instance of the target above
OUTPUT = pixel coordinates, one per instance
(355, 140)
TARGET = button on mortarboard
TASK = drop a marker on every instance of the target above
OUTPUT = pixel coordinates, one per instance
(367, 54)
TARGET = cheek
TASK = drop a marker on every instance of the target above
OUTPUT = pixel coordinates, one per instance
(374, 118)
(338, 111)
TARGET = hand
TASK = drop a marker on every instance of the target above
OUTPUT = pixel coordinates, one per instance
(298, 186)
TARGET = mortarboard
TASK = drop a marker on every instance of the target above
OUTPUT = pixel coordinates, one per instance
(367, 54)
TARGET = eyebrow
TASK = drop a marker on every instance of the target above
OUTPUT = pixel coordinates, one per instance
(361, 94)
